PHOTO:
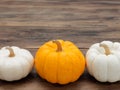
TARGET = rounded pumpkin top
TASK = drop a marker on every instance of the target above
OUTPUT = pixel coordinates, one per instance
(59, 46)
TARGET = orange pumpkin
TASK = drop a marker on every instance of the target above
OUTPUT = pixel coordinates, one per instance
(59, 61)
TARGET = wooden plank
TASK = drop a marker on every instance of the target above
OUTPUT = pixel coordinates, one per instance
(63, 13)
(33, 37)
(83, 22)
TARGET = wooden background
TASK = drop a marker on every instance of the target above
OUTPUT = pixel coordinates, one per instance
(30, 23)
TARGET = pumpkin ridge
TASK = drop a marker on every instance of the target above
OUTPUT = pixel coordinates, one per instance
(36, 58)
(30, 64)
(79, 54)
(43, 65)
(23, 71)
(80, 73)
(72, 67)
(43, 70)
(107, 72)
(48, 45)
(57, 79)
(1, 72)
(92, 63)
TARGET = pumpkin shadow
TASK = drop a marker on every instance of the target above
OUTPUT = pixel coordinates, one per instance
(84, 82)
(11, 85)
(26, 79)
(56, 86)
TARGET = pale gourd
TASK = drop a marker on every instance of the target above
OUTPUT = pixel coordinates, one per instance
(15, 63)
(103, 61)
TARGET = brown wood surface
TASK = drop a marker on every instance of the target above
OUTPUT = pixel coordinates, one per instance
(30, 23)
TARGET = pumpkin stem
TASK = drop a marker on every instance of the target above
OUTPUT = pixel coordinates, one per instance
(107, 50)
(12, 54)
(59, 47)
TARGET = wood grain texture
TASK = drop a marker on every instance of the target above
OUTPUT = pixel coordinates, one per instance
(33, 37)
(30, 23)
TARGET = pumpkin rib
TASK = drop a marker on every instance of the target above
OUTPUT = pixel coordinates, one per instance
(43, 58)
(36, 61)
(57, 80)
(92, 63)
(58, 67)
(96, 66)
(48, 45)
(51, 66)
(28, 60)
(68, 45)
(23, 71)
(72, 67)
(81, 63)
(43, 70)
(73, 60)
(63, 70)
(17, 70)
(74, 78)
(42, 74)
(109, 64)
(1, 74)
(28, 64)
(44, 65)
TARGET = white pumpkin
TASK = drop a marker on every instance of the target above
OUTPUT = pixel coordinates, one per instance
(103, 61)
(15, 63)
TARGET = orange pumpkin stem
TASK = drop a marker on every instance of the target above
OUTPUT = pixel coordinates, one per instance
(107, 50)
(11, 51)
(59, 47)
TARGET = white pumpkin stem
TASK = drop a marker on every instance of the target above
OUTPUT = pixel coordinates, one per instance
(107, 50)
(59, 47)
(12, 54)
